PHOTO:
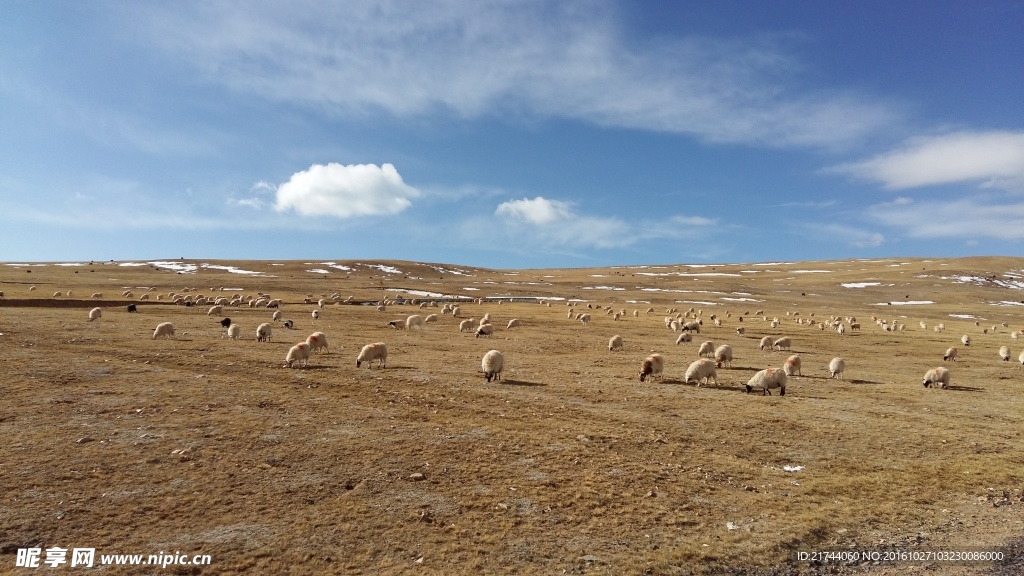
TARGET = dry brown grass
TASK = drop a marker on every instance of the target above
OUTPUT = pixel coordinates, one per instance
(569, 465)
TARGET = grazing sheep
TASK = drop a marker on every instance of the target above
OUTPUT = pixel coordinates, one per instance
(653, 365)
(1015, 335)
(692, 326)
(316, 341)
(766, 342)
(58, 294)
(836, 367)
(397, 324)
(289, 324)
(702, 369)
(684, 338)
(414, 321)
(766, 380)
(466, 325)
(376, 351)
(316, 314)
(492, 364)
(31, 288)
(456, 311)
(966, 340)
(97, 295)
(1004, 353)
(792, 366)
(707, 349)
(96, 313)
(132, 309)
(936, 376)
(263, 332)
(234, 331)
(784, 342)
(585, 319)
(296, 353)
(723, 356)
(165, 329)
(277, 315)
(615, 343)
(215, 311)
(484, 330)
(841, 329)
(1021, 358)
(950, 354)
(430, 318)
(740, 330)
(514, 323)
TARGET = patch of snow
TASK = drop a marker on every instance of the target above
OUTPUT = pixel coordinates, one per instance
(696, 302)
(792, 468)
(319, 271)
(477, 289)
(600, 288)
(1007, 303)
(810, 271)
(183, 267)
(383, 268)
(332, 265)
(232, 269)
(964, 316)
(134, 264)
(70, 264)
(741, 299)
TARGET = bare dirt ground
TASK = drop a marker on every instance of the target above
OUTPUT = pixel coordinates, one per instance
(568, 465)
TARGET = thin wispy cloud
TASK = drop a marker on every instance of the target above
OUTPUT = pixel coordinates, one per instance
(345, 191)
(992, 159)
(966, 218)
(565, 60)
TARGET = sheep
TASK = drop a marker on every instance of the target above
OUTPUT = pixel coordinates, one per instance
(1014, 335)
(1021, 358)
(707, 349)
(484, 330)
(784, 342)
(414, 321)
(766, 380)
(652, 366)
(692, 326)
(97, 295)
(296, 353)
(684, 338)
(836, 367)
(275, 303)
(316, 341)
(492, 364)
(289, 324)
(514, 323)
(740, 330)
(376, 351)
(277, 315)
(841, 329)
(430, 318)
(766, 342)
(165, 329)
(215, 311)
(1, 293)
(723, 356)
(950, 355)
(456, 311)
(131, 309)
(316, 314)
(1004, 353)
(144, 297)
(466, 325)
(702, 369)
(96, 313)
(615, 343)
(792, 366)
(585, 319)
(58, 294)
(263, 332)
(234, 331)
(966, 340)
(31, 288)
(937, 376)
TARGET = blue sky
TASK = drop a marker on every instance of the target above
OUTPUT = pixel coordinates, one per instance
(511, 134)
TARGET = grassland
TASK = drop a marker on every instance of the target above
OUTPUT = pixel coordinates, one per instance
(206, 445)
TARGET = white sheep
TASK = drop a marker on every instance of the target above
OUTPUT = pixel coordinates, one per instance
(766, 342)
(215, 311)
(492, 364)
(31, 288)
(585, 319)
(652, 366)
(263, 332)
(684, 338)
(234, 331)
(792, 366)
(1015, 335)
(315, 314)
(723, 356)
(784, 342)
(702, 369)
(615, 343)
(296, 353)
(766, 380)
(966, 340)
(950, 355)
(430, 318)
(936, 376)
(484, 330)
(376, 351)
(277, 316)
(96, 313)
(1021, 358)
(707, 349)
(740, 330)
(841, 329)
(58, 294)
(466, 325)
(455, 311)
(514, 323)
(414, 321)
(97, 295)
(165, 329)
(836, 367)
(316, 341)
(1004, 353)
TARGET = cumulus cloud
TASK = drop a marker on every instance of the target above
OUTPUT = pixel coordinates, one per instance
(539, 210)
(966, 218)
(345, 191)
(493, 57)
(995, 159)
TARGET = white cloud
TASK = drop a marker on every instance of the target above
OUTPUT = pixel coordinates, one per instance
(967, 218)
(538, 59)
(693, 220)
(996, 159)
(540, 210)
(345, 191)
